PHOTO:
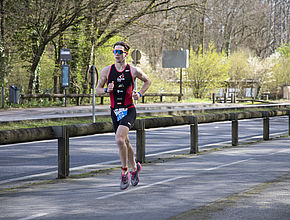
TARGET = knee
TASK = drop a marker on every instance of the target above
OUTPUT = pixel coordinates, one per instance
(120, 141)
(127, 142)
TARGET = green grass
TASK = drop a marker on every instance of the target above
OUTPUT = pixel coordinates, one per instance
(195, 100)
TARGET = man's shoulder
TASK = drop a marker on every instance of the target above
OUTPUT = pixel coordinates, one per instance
(133, 68)
(106, 69)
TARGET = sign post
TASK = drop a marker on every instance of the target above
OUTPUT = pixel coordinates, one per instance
(176, 59)
(65, 56)
(136, 55)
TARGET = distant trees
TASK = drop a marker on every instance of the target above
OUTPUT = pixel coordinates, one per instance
(32, 25)
(207, 71)
(280, 71)
(32, 33)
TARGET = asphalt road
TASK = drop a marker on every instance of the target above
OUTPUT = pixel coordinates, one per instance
(245, 182)
(38, 160)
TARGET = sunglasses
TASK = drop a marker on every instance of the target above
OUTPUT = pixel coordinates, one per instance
(119, 52)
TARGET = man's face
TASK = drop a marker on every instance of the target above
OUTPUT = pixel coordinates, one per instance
(119, 53)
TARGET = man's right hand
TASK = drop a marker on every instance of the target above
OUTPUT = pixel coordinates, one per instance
(111, 86)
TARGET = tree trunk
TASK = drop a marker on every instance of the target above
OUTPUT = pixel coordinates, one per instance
(34, 66)
(60, 45)
(202, 26)
(2, 22)
(2, 45)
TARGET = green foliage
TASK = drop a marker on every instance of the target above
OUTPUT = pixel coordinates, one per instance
(207, 71)
(3, 65)
(239, 66)
(284, 50)
(104, 54)
(281, 70)
(46, 69)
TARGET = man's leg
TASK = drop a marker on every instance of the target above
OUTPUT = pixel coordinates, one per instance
(131, 155)
(121, 136)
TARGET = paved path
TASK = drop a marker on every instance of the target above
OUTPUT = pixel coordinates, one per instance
(245, 182)
(100, 110)
(104, 110)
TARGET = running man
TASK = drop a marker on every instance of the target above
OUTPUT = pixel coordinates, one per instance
(119, 79)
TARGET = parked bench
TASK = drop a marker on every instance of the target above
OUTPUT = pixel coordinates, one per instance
(161, 95)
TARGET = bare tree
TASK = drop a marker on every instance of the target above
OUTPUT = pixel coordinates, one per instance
(36, 23)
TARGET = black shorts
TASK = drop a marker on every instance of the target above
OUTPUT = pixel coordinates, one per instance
(127, 121)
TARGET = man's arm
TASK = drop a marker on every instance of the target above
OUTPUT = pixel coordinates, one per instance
(102, 81)
(146, 82)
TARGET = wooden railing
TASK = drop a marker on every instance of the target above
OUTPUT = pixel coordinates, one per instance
(62, 133)
(78, 97)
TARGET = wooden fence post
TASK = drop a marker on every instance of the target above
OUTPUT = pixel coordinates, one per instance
(233, 98)
(235, 130)
(288, 111)
(63, 153)
(140, 141)
(266, 126)
(2, 97)
(194, 136)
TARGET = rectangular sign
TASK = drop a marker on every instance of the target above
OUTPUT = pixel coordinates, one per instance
(65, 54)
(175, 58)
(65, 75)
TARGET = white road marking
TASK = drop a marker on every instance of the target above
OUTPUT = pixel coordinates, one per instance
(139, 188)
(26, 143)
(183, 176)
(117, 161)
(226, 165)
(27, 177)
(34, 216)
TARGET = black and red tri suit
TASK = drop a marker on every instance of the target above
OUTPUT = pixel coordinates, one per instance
(121, 96)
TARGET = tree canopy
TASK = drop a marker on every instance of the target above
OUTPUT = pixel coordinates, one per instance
(32, 32)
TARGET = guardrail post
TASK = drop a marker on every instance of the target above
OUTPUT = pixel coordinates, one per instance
(63, 153)
(225, 98)
(179, 97)
(194, 136)
(2, 97)
(235, 130)
(213, 98)
(288, 111)
(140, 141)
(266, 126)
(233, 98)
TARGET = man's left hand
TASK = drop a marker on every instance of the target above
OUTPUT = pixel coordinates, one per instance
(136, 95)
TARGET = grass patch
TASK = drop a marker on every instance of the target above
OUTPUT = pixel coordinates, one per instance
(196, 100)
(72, 121)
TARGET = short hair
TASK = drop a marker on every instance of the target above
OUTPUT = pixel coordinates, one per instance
(124, 44)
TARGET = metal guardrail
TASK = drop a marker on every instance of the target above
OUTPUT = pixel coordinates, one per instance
(62, 133)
